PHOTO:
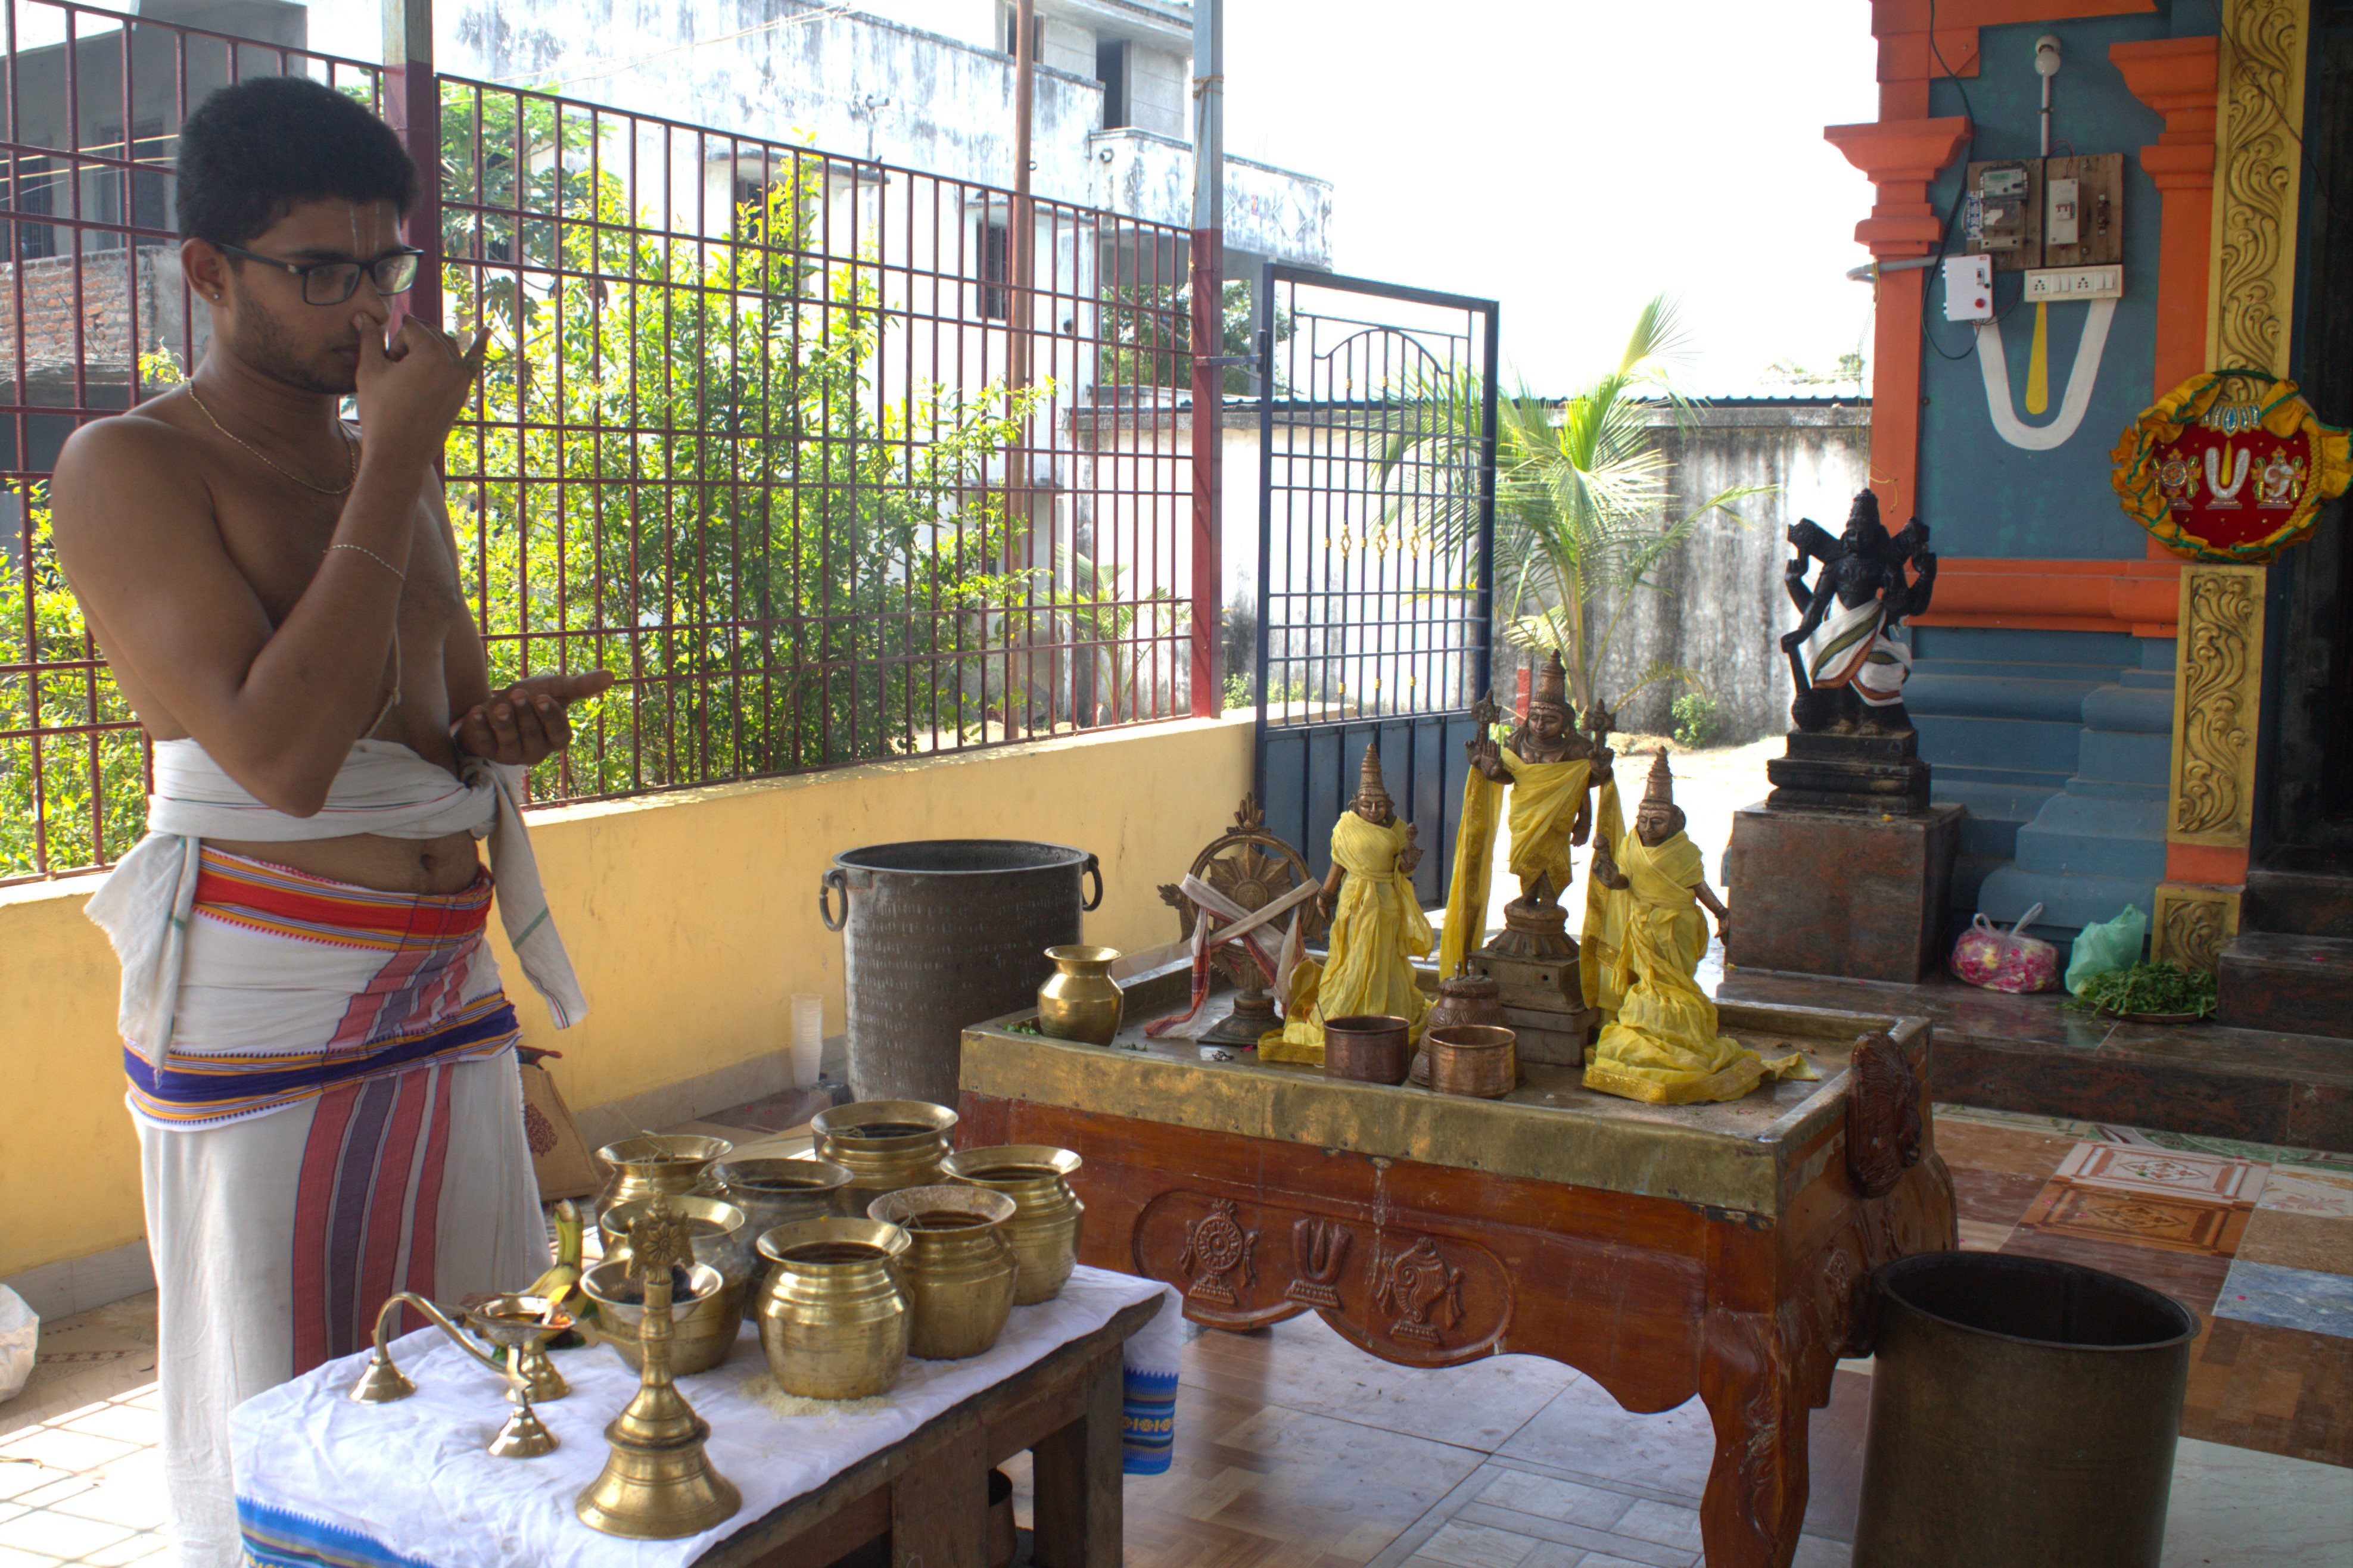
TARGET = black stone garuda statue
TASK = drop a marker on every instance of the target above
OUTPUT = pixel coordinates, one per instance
(1849, 670)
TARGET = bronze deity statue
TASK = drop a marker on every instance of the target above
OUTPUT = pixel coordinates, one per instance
(1551, 770)
(1848, 667)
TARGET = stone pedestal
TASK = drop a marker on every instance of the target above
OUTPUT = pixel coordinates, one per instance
(1832, 892)
(1853, 771)
(1544, 1003)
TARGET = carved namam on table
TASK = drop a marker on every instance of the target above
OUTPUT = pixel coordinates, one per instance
(1716, 1250)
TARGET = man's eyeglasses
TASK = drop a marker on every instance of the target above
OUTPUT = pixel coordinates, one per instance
(333, 282)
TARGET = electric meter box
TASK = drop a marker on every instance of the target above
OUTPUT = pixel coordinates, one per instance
(2029, 214)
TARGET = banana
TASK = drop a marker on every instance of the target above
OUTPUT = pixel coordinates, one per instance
(561, 1283)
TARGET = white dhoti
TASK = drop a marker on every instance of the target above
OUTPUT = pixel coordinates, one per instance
(324, 1084)
(1850, 647)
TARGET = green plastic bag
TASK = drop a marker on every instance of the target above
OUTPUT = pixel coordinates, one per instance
(2105, 948)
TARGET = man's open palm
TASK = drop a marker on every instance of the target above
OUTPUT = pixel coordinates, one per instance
(525, 723)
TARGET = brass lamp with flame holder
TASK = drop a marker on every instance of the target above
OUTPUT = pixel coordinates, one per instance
(658, 1484)
(523, 1324)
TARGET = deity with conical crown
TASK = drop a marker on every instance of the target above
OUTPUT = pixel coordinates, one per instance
(1551, 769)
(1378, 929)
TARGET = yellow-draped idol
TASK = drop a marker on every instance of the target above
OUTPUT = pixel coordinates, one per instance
(1604, 934)
(1663, 1047)
(1545, 798)
(1378, 929)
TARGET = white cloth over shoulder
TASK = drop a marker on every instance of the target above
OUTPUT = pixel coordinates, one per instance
(383, 788)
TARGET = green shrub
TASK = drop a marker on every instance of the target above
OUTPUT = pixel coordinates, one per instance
(1699, 718)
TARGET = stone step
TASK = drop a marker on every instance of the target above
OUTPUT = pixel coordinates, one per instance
(2303, 902)
(2296, 985)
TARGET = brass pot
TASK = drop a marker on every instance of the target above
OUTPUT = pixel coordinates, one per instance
(703, 1331)
(886, 1144)
(1047, 1214)
(960, 1269)
(657, 1163)
(1366, 1047)
(1081, 1001)
(719, 1232)
(833, 1320)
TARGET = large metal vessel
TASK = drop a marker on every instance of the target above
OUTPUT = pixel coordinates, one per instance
(940, 933)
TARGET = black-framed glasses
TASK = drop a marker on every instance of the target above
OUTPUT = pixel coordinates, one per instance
(333, 282)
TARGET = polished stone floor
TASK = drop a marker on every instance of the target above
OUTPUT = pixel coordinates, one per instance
(1294, 1450)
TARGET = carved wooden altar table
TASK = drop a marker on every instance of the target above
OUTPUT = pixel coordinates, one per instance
(1662, 1251)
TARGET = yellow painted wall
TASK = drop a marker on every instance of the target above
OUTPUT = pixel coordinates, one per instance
(692, 918)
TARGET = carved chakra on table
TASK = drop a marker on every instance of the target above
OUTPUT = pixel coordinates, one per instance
(1216, 1245)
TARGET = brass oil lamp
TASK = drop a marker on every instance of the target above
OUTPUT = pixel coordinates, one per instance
(523, 1324)
(658, 1484)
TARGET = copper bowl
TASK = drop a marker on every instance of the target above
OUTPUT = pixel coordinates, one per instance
(1369, 1048)
(1476, 1059)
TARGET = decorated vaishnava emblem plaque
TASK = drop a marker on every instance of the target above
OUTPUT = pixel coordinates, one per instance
(2231, 465)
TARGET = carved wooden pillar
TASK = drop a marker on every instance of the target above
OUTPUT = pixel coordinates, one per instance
(2251, 292)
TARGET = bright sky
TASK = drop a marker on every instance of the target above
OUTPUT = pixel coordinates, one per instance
(1571, 158)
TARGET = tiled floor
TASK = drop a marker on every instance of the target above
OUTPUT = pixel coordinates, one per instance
(1294, 1450)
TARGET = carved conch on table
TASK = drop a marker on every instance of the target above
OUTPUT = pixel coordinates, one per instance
(1412, 1284)
(1882, 1115)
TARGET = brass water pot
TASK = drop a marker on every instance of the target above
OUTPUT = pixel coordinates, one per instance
(959, 1270)
(720, 1233)
(833, 1320)
(1081, 1001)
(704, 1329)
(886, 1144)
(657, 1163)
(782, 1191)
(1048, 1216)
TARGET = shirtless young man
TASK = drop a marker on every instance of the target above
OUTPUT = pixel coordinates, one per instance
(319, 1050)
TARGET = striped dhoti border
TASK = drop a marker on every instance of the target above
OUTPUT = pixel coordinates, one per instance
(336, 1117)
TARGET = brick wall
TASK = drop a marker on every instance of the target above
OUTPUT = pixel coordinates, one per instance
(104, 302)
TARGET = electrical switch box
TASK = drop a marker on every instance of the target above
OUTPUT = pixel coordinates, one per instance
(1968, 288)
(2083, 216)
(2002, 214)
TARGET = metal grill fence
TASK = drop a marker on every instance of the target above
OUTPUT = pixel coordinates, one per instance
(776, 436)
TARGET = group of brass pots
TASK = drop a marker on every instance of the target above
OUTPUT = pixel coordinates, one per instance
(884, 1246)
(1464, 1050)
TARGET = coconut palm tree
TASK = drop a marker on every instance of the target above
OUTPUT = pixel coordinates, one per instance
(1582, 493)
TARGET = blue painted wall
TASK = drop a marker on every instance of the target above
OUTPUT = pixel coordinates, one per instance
(2056, 741)
(1982, 496)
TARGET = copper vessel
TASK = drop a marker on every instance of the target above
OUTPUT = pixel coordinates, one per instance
(718, 1233)
(1466, 998)
(959, 1270)
(704, 1328)
(1047, 1214)
(833, 1320)
(1081, 1001)
(657, 1163)
(1369, 1048)
(886, 1144)
(1472, 1058)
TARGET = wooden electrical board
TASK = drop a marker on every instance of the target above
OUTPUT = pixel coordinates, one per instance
(2033, 213)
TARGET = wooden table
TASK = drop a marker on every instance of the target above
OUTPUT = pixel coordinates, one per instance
(929, 1492)
(1662, 1251)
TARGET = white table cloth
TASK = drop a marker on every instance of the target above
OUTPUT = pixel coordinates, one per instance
(321, 1480)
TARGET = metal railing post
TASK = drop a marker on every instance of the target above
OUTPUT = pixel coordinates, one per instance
(1208, 345)
(412, 104)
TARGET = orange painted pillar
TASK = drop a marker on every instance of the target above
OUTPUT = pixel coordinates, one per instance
(1901, 157)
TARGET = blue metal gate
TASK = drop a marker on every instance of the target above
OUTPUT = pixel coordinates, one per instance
(1377, 490)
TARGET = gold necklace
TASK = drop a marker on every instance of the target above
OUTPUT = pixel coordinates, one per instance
(350, 446)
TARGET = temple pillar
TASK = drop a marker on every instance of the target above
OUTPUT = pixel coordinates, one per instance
(2251, 292)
